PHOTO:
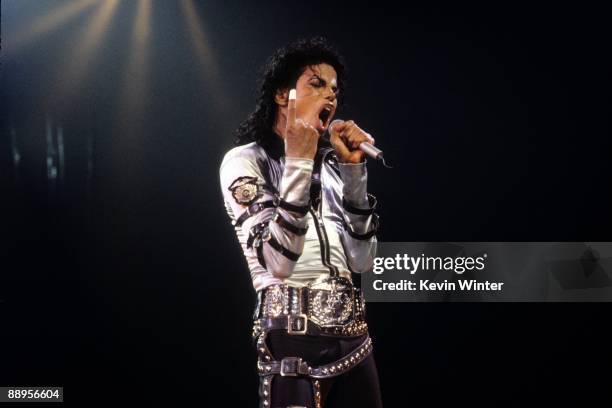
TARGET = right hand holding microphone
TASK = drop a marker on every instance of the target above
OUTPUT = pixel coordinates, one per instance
(346, 137)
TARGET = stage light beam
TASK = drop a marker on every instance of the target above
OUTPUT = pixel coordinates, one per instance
(137, 72)
(204, 53)
(70, 78)
(47, 23)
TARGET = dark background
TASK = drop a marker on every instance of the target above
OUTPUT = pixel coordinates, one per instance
(122, 279)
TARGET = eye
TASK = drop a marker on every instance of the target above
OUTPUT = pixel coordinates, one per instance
(317, 83)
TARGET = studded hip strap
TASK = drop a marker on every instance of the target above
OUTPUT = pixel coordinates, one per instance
(295, 366)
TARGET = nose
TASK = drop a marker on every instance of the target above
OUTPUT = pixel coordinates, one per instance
(330, 94)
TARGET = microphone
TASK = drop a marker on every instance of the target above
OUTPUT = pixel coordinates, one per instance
(365, 147)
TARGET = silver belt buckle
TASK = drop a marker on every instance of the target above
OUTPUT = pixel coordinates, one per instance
(331, 302)
(290, 366)
(297, 324)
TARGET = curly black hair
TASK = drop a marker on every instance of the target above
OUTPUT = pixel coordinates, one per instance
(282, 72)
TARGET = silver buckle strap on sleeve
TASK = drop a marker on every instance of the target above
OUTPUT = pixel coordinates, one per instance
(252, 210)
(259, 234)
(295, 366)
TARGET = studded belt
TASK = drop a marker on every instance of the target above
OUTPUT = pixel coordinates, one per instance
(333, 307)
(295, 366)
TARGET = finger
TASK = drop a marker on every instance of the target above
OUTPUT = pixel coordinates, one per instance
(344, 129)
(352, 136)
(339, 146)
(348, 128)
(291, 107)
(358, 136)
(337, 126)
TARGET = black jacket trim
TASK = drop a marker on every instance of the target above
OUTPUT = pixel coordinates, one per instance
(360, 211)
(252, 210)
(292, 256)
(280, 220)
(367, 235)
(303, 210)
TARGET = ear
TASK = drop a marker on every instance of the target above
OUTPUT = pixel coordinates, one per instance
(281, 97)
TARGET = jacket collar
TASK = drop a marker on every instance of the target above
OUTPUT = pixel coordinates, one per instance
(274, 145)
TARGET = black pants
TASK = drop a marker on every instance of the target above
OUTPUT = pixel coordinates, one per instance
(357, 388)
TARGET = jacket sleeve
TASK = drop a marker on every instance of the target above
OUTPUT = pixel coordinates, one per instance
(270, 226)
(360, 221)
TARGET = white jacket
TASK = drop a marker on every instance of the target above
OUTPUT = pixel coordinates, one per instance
(267, 195)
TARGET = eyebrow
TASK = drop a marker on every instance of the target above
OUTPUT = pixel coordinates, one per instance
(316, 76)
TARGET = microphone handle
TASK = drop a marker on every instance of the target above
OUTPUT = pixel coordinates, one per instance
(370, 150)
(365, 147)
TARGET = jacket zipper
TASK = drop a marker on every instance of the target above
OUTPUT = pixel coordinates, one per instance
(323, 239)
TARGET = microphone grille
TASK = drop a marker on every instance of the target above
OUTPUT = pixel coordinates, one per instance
(335, 121)
(327, 134)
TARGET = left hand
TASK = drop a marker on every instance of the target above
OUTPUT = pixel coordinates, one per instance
(345, 137)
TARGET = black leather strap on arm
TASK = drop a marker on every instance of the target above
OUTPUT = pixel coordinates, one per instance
(300, 209)
(360, 211)
(259, 235)
(367, 235)
(260, 257)
(292, 256)
(280, 220)
(252, 210)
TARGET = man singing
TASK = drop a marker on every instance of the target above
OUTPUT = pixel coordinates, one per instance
(298, 201)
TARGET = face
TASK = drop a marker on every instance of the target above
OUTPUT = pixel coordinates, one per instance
(317, 92)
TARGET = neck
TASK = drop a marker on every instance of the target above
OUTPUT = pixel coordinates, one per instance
(280, 124)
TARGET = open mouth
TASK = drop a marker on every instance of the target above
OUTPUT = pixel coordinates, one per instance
(325, 116)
